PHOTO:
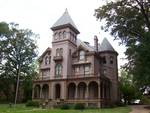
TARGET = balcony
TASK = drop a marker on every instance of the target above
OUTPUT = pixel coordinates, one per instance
(82, 75)
(43, 78)
(58, 58)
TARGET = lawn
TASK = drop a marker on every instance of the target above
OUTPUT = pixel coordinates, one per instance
(4, 108)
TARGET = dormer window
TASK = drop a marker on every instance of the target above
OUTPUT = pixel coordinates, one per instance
(81, 55)
(46, 60)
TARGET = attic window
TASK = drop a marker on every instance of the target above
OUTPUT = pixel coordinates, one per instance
(81, 55)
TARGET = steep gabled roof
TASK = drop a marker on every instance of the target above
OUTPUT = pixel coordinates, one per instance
(44, 53)
(65, 21)
(83, 44)
(106, 46)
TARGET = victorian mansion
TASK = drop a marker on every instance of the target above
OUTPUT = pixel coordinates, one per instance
(73, 71)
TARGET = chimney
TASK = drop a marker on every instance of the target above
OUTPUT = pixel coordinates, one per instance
(96, 43)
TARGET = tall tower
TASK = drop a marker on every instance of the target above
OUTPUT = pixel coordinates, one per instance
(109, 67)
(63, 45)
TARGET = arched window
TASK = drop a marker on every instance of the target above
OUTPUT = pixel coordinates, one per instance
(46, 60)
(64, 34)
(60, 35)
(81, 55)
(56, 36)
(58, 69)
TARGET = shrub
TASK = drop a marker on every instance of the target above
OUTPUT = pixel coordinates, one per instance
(64, 106)
(31, 103)
(145, 100)
(79, 106)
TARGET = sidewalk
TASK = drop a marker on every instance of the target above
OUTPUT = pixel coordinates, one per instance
(139, 109)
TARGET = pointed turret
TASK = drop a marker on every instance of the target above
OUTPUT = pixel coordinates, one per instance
(106, 46)
(65, 21)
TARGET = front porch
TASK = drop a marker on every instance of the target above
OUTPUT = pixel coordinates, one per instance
(91, 93)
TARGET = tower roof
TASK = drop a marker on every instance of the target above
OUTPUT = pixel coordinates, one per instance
(65, 21)
(106, 46)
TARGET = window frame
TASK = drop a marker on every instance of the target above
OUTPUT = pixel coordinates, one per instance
(81, 55)
(58, 69)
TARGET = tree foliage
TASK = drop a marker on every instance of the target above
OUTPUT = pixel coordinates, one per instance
(129, 21)
(18, 51)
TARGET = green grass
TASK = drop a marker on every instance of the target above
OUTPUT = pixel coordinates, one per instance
(4, 108)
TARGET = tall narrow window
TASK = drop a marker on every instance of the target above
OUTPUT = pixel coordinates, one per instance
(58, 69)
(56, 36)
(86, 69)
(64, 34)
(57, 52)
(111, 59)
(60, 35)
(77, 69)
(61, 52)
(104, 60)
(49, 59)
(81, 55)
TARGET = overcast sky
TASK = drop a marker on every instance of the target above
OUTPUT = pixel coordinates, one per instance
(40, 15)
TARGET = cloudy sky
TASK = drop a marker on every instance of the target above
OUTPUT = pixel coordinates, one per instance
(40, 15)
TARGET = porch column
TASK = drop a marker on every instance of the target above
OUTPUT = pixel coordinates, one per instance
(33, 92)
(103, 90)
(87, 93)
(40, 91)
(76, 92)
(49, 92)
(99, 91)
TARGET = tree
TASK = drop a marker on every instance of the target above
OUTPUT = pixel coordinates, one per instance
(126, 87)
(19, 50)
(129, 21)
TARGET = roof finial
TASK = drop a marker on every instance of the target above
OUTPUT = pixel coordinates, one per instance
(66, 10)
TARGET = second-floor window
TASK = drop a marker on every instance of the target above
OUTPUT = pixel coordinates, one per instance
(59, 52)
(58, 70)
(86, 69)
(47, 60)
(81, 55)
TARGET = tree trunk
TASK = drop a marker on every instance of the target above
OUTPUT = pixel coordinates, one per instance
(17, 87)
